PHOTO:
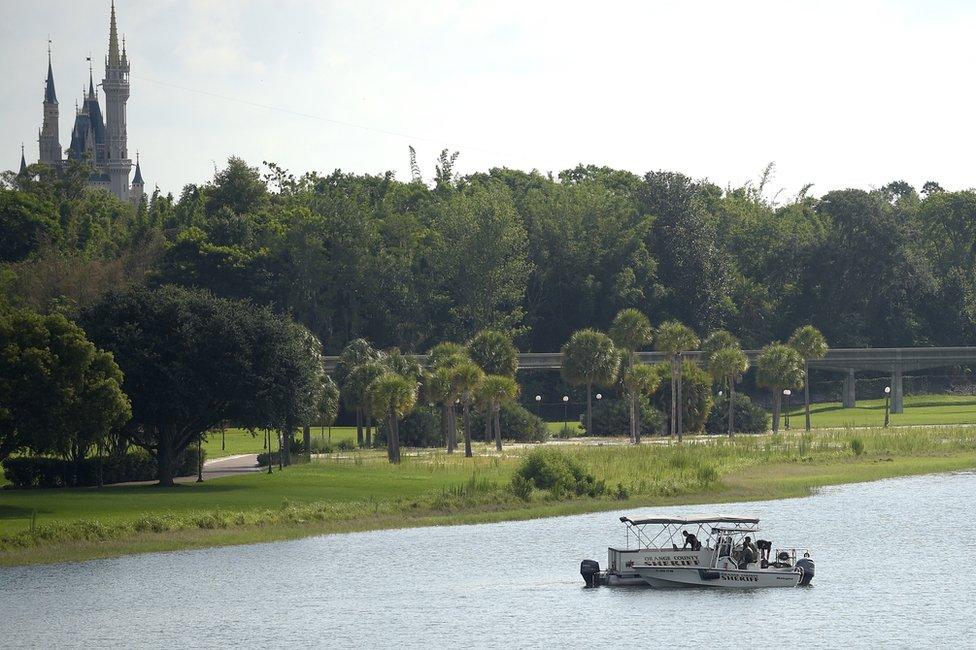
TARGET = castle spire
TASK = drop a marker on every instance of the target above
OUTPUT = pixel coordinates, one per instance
(113, 41)
(50, 96)
(137, 179)
(23, 161)
(91, 81)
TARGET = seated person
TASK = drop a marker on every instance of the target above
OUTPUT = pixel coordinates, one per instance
(691, 540)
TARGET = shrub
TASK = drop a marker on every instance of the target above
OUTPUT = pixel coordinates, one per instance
(548, 469)
(567, 431)
(696, 395)
(346, 445)
(521, 487)
(612, 418)
(45, 472)
(518, 424)
(857, 446)
(707, 474)
(420, 428)
(747, 416)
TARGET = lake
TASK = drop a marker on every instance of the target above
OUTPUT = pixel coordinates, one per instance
(894, 568)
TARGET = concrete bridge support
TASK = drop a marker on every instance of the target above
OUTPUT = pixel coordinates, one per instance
(897, 393)
(850, 395)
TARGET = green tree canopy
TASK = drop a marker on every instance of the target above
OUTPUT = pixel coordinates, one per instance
(494, 352)
(58, 392)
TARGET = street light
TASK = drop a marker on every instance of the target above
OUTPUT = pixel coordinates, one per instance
(887, 397)
(538, 405)
(787, 392)
(599, 395)
(565, 412)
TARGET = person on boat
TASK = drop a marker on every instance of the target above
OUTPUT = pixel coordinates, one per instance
(749, 553)
(691, 540)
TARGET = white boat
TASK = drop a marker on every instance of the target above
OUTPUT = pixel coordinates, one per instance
(714, 551)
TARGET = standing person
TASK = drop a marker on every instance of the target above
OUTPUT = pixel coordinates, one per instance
(749, 553)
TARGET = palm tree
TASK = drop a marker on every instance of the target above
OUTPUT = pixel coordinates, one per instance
(639, 379)
(494, 390)
(355, 392)
(494, 353)
(728, 365)
(631, 330)
(589, 357)
(439, 386)
(467, 378)
(439, 389)
(673, 338)
(779, 366)
(356, 353)
(395, 396)
(718, 340)
(811, 344)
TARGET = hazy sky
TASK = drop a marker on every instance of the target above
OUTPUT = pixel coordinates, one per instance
(838, 94)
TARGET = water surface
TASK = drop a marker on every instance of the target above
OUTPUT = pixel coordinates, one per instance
(894, 569)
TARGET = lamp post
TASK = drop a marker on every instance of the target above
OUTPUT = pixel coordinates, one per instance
(538, 406)
(887, 403)
(565, 412)
(787, 392)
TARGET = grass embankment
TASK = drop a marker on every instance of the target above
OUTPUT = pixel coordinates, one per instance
(365, 492)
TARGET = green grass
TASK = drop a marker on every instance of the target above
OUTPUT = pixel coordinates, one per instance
(365, 492)
(241, 441)
(919, 410)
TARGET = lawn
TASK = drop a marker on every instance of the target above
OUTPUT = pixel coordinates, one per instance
(919, 409)
(362, 491)
(241, 441)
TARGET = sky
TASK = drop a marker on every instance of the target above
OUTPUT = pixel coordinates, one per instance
(838, 94)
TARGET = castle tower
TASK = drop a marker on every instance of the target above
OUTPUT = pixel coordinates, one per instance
(23, 161)
(49, 142)
(138, 186)
(116, 87)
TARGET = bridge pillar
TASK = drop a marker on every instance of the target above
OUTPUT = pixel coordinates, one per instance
(897, 394)
(850, 397)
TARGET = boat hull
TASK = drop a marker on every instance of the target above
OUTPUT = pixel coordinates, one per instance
(672, 577)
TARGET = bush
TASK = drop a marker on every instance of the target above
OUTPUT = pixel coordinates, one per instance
(420, 428)
(696, 393)
(612, 418)
(857, 446)
(567, 431)
(521, 487)
(45, 472)
(548, 469)
(518, 424)
(747, 416)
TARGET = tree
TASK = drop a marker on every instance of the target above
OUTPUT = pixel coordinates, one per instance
(440, 388)
(393, 395)
(356, 353)
(811, 344)
(192, 361)
(727, 365)
(778, 367)
(326, 410)
(640, 380)
(58, 392)
(356, 395)
(717, 340)
(467, 378)
(495, 389)
(673, 338)
(631, 330)
(589, 357)
(494, 353)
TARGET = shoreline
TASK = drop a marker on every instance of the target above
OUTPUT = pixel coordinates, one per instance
(760, 482)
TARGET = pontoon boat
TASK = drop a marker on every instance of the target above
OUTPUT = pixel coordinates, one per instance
(702, 551)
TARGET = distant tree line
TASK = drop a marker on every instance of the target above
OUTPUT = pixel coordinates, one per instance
(409, 264)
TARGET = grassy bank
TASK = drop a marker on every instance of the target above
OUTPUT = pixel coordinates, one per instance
(363, 492)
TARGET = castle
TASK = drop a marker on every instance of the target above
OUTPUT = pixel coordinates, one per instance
(102, 143)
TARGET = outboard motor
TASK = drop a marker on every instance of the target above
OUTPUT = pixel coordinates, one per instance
(590, 569)
(806, 567)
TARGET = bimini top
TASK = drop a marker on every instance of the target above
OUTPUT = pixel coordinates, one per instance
(694, 519)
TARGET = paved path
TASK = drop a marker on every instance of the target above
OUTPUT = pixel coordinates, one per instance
(227, 466)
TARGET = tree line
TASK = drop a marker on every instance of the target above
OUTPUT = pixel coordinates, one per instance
(538, 256)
